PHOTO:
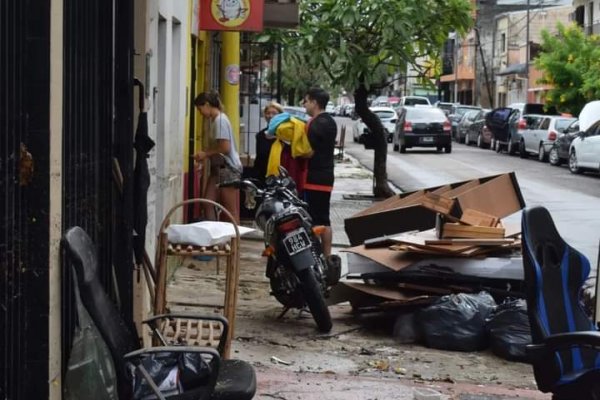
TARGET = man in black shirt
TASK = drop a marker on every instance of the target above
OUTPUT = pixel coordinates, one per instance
(322, 131)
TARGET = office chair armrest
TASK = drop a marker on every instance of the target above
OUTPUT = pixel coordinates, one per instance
(198, 317)
(132, 356)
(173, 349)
(561, 341)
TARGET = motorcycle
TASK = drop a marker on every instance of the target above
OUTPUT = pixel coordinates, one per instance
(298, 272)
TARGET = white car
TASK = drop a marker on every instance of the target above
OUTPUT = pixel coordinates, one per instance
(413, 101)
(584, 151)
(330, 108)
(387, 116)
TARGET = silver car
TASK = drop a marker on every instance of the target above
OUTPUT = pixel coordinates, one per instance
(540, 134)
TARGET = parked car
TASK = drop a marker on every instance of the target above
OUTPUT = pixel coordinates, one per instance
(507, 123)
(538, 139)
(479, 133)
(465, 124)
(456, 114)
(347, 110)
(381, 101)
(559, 153)
(584, 152)
(413, 100)
(330, 108)
(422, 127)
(445, 107)
(387, 116)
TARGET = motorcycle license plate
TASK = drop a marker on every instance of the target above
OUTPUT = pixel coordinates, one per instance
(296, 241)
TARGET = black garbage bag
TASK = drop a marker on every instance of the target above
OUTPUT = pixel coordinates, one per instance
(172, 373)
(457, 322)
(509, 330)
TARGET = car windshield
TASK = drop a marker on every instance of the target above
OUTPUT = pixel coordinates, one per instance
(411, 101)
(471, 114)
(463, 110)
(426, 114)
(563, 123)
(385, 114)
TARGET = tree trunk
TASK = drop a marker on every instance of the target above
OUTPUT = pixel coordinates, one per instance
(378, 139)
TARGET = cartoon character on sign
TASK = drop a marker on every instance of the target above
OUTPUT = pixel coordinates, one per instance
(231, 10)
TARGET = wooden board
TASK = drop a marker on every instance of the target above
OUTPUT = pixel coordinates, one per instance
(418, 240)
(438, 203)
(454, 230)
(477, 242)
(477, 218)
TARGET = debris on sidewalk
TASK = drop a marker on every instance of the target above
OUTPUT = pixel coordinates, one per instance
(498, 196)
(277, 360)
(415, 247)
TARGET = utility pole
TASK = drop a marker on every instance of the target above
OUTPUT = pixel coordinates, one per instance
(456, 67)
(527, 53)
(485, 71)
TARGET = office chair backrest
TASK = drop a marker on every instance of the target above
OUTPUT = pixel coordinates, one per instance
(82, 256)
(554, 276)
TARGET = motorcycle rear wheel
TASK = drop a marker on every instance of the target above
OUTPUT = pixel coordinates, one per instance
(314, 299)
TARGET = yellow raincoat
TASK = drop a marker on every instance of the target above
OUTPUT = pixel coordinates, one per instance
(292, 131)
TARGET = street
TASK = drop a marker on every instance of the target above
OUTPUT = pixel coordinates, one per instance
(573, 200)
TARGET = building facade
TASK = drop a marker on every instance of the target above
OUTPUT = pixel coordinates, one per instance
(515, 77)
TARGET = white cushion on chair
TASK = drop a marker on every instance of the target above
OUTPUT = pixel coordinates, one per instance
(204, 233)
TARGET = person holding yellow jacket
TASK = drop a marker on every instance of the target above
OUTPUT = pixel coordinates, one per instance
(290, 148)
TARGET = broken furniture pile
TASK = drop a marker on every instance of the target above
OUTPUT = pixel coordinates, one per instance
(414, 247)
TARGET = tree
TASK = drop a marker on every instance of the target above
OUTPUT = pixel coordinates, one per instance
(297, 79)
(354, 40)
(570, 62)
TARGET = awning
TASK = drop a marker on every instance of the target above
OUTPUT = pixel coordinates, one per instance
(513, 69)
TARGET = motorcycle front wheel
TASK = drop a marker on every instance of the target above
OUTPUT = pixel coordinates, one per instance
(314, 299)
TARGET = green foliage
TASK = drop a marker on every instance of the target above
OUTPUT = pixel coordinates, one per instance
(361, 41)
(570, 62)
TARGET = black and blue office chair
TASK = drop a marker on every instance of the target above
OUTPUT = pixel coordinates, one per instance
(565, 349)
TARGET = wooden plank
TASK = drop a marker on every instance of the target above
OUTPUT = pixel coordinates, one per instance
(477, 242)
(454, 230)
(478, 218)
(418, 240)
(437, 203)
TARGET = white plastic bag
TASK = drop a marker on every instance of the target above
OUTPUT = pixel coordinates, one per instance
(204, 233)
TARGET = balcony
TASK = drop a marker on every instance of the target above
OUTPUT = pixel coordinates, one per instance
(281, 14)
(465, 73)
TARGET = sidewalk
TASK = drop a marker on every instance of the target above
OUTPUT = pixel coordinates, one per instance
(352, 190)
(359, 359)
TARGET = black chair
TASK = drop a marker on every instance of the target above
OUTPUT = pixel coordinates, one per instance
(565, 349)
(229, 380)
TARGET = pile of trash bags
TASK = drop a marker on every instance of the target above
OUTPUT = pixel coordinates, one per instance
(469, 322)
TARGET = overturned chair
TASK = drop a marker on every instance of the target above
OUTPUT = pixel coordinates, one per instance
(224, 380)
(565, 349)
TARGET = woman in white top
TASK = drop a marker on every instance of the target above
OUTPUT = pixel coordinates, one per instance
(224, 158)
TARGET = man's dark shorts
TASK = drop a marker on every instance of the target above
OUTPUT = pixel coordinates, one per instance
(318, 206)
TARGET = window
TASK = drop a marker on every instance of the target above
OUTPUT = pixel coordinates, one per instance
(503, 43)
(545, 123)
